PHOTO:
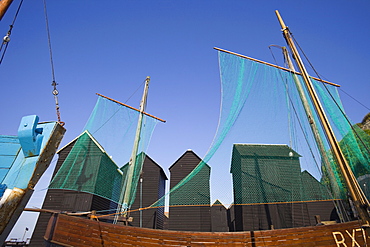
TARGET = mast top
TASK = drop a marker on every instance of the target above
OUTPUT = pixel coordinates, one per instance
(283, 26)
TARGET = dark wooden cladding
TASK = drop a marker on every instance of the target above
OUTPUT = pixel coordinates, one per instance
(219, 218)
(73, 231)
(183, 166)
(194, 218)
(282, 215)
(53, 200)
(271, 191)
(153, 188)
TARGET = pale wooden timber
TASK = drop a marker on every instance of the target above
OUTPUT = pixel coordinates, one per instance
(125, 197)
(273, 65)
(4, 5)
(357, 195)
(75, 231)
(131, 107)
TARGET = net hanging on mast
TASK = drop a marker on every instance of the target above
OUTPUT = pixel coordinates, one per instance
(103, 149)
(249, 155)
(253, 120)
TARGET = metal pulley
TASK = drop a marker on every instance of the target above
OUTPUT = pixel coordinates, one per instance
(55, 93)
(6, 39)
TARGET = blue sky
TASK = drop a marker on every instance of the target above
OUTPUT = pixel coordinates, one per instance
(109, 47)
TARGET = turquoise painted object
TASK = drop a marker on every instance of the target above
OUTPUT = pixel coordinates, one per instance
(9, 148)
(30, 137)
(23, 160)
(19, 154)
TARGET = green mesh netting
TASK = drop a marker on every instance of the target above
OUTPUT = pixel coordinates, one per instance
(264, 150)
(271, 173)
(87, 168)
(107, 140)
(262, 115)
(354, 142)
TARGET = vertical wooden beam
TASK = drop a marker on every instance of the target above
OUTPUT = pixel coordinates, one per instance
(4, 5)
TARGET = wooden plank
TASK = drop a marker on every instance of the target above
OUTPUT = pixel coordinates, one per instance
(78, 232)
(273, 65)
(307, 236)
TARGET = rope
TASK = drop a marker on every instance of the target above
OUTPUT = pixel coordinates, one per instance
(354, 99)
(6, 38)
(135, 91)
(332, 97)
(54, 83)
(290, 102)
(287, 94)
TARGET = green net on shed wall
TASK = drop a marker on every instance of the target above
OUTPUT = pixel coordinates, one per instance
(272, 173)
(87, 168)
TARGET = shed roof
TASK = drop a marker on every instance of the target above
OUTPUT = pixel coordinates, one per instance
(188, 152)
(275, 150)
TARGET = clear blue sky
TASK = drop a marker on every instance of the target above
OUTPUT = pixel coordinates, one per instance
(109, 47)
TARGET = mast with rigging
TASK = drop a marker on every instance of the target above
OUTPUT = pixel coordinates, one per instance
(127, 186)
(314, 128)
(358, 197)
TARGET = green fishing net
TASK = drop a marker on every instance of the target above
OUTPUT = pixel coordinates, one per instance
(264, 150)
(94, 162)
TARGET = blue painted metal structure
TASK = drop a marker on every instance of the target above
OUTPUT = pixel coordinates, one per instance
(23, 159)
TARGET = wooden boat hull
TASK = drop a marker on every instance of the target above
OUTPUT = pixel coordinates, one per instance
(66, 230)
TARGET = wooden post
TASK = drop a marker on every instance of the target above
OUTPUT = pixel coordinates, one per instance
(126, 188)
(4, 5)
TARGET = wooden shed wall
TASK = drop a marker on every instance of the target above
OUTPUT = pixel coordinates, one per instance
(188, 218)
(219, 219)
(53, 200)
(153, 188)
(284, 215)
(73, 201)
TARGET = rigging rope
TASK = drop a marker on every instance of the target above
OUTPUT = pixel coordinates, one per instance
(305, 134)
(354, 99)
(332, 97)
(6, 38)
(286, 86)
(136, 91)
(54, 83)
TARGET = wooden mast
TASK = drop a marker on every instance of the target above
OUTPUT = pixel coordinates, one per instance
(354, 189)
(320, 144)
(126, 189)
(4, 5)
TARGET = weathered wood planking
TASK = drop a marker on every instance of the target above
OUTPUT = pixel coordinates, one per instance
(73, 231)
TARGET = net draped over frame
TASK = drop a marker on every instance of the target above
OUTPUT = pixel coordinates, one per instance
(94, 163)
